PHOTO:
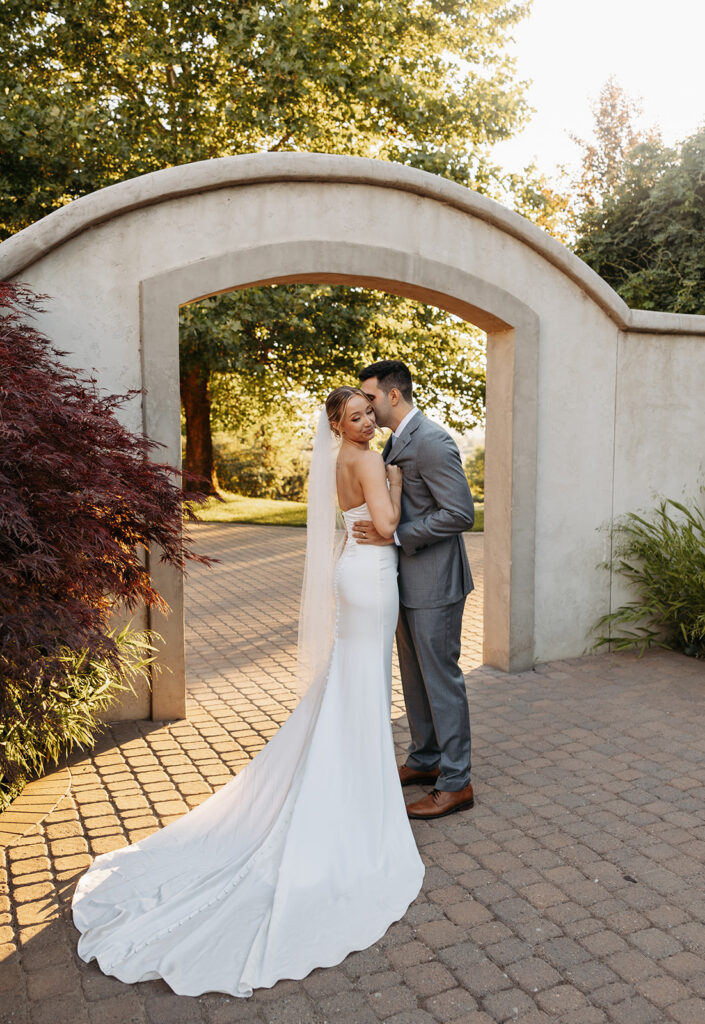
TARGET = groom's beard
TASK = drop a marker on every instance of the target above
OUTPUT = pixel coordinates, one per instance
(383, 423)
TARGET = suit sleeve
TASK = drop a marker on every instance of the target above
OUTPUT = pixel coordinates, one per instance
(442, 472)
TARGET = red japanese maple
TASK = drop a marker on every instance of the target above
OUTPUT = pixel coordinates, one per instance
(80, 499)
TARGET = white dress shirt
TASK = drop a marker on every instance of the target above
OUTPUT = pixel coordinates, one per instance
(396, 434)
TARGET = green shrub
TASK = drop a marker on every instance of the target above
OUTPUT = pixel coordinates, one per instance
(43, 722)
(475, 472)
(264, 465)
(663, 557)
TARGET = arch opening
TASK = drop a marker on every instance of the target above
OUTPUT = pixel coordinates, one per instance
(510, 481)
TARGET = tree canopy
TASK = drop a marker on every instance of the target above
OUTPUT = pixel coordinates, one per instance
(605, 156)
(288, 342)
(642, 227)
(96, 91)
(285, 338)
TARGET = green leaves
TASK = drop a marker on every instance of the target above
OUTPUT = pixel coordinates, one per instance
(475, 472)
(642, 223)
(96, 92)
(285, 339)
(663, 557)
(648, 238)
(39, 724)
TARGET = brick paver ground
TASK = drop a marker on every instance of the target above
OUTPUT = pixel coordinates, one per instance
(572, 893)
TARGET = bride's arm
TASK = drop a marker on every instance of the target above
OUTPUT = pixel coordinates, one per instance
(383, 502)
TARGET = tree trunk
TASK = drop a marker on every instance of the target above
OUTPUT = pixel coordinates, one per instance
(198, 463)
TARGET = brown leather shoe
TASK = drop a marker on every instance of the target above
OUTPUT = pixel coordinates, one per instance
(414, 776)
(438, 803)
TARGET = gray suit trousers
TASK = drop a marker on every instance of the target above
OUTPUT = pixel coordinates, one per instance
(428, 643)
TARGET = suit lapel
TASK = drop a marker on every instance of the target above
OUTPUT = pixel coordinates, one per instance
(405, 438)
(387, 448)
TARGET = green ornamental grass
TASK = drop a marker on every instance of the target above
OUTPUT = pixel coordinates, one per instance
(662, 554)
(65, 710)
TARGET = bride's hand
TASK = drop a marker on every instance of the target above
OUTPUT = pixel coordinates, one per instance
(393, 475)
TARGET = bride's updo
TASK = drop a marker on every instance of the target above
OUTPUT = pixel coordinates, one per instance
(336, 404)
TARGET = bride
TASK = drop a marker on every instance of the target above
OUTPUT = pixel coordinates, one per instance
(307, 854)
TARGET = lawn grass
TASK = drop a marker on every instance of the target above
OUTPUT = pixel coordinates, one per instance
(238, 509)
(267, 511)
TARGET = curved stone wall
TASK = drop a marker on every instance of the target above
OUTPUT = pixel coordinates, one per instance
(591, 407)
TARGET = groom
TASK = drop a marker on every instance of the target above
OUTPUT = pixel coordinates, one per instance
(434, 580)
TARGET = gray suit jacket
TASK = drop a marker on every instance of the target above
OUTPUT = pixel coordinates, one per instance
(436, 507)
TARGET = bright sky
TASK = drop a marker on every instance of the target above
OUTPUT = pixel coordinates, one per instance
(570, 48)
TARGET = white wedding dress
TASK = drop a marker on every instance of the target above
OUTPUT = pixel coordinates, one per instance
(303, 857)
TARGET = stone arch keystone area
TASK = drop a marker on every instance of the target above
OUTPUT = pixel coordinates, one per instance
(591, 407)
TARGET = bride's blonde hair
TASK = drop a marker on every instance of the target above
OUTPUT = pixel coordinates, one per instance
(336, 404)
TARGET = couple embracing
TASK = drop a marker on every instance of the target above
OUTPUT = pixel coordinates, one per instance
(307, 854)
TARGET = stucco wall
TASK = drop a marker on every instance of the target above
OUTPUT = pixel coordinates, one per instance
(618, 411)
(660, 422)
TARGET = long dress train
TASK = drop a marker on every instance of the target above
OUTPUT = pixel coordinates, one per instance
(303, 857)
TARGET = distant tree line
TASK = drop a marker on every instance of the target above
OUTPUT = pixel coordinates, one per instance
(639, 209)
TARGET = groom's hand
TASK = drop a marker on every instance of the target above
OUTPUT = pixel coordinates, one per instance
(364, 533)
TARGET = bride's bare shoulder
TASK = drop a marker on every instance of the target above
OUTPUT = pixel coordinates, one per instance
(370, 462)
(371, 455)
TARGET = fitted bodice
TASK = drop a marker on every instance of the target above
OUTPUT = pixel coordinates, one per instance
(353, 515)
(373, 555)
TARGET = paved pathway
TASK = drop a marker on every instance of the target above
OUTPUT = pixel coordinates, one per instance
(572, 893)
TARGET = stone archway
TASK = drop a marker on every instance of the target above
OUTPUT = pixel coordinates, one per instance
(569, 364)
(508, 641)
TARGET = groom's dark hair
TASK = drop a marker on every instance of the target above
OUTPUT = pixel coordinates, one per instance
(390, 373)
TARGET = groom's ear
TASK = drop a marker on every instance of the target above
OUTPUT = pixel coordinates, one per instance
(394, 395)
